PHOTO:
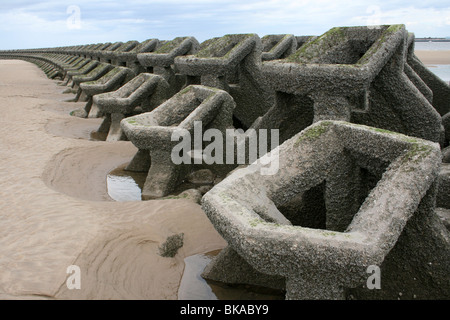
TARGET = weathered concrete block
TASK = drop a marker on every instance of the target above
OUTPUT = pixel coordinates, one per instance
(77, 65)
(446, 124)
(153, 131)
(98, 54)
(165, 55)
(146, 90)
(99, 71)
(278, 46)
(130, 60)
(138, 91)
(110, 56)
(444, 216)
(111, 81)
(232, 63)
(85, 69)
(446, 155)
(443, 194)
(302, 40)
(352, 74)
(161, 61)
(377, 186)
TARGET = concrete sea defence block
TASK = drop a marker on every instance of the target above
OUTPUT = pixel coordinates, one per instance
(377, 188)
(145, 90)
(111, 81)
(161, 61)
(278, 46)
(152, 132)
(352, 74)
(232, 63)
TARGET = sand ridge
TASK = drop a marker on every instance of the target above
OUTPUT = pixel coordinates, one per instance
(44, 229)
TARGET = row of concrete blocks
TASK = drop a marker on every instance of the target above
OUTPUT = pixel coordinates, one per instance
(233, 63)
(158, 57)
(362, 123)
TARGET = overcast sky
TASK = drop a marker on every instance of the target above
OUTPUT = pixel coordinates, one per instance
(51, 23)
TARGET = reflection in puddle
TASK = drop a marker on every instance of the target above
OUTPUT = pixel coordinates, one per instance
(125, 185)
(194, 287)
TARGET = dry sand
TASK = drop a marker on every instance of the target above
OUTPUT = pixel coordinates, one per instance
(433, 57)
(55, 210)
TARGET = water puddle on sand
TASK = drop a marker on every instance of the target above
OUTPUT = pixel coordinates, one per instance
(127, 186)
(194, 287)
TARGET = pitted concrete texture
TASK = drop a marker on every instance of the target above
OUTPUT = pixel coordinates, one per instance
(130, 60)
(113, 80)
(162, 60)
(86, 68)
(153, 132)
(146, 91)
(446, 155)
(110, 55)
(376, 187)
(232, 63)
(351, 74)
(446, 124)
(98, 54)
(99, 71)
(443, 194)
(278, 46)
(164, 56)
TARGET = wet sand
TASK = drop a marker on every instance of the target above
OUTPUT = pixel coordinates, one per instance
(433, 57)
(55, 210)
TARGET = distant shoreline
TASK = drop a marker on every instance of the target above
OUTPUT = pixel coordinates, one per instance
(431, 40)
(431, 57)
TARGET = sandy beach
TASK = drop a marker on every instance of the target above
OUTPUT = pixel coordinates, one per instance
(55, 210)
(433, 57)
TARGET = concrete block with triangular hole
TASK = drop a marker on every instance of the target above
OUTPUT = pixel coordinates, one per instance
(232, 63)
(152, 134)
(111, 81)
(161, 61)
(355, 74)
(346, 197)
(146, 91)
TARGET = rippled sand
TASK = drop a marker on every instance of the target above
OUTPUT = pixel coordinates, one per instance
(55, 210)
